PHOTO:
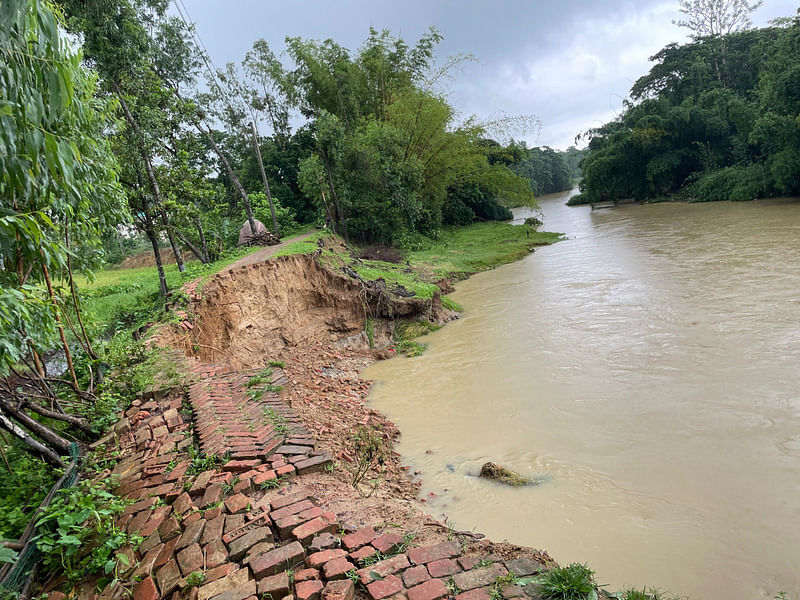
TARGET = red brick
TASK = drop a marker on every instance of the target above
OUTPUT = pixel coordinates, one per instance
(360, 538)
(277, 560)
(213, 530)
(190, 559)
(306, 575)
(284, 470)
(415, 576)
(443, 568)
(237, 504)
(387, 543)
(318, 559)
(305, 532)
(213, 494)
(148, 561)
(383, 568)
(169, 529)
(281, 501)
(292, 509)
(191, 518)
(274, 587)
(239, 466)
(286, 524)
(337, 568)
(155, 520)
(138, 521)
(262, 478)
(362, 553)
(212, 513)
(168, 577)
(183, 504)
(308, 590)
(426, 554)
(139, 506)
(243, 486)
(145, 590)
(385, 587)
(476, 594)
(166, 552)
(343, 589)
(215, 554)
(430, 590)
(191, 534)
(220, 572)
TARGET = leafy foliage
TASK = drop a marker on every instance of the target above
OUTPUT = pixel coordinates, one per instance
(57, 174)
(78, 531)
(715, 119)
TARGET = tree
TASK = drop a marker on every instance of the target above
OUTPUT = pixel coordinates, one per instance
(704, 128)
(59, 191)
(716, 17)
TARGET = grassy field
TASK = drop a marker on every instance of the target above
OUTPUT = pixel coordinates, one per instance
(465, 250)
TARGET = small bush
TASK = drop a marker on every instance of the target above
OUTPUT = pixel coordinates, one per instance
(78, 533)
(573, 582)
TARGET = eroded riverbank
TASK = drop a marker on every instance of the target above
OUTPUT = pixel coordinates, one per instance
(646, 367)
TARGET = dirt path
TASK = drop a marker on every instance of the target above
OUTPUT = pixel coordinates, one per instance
(268, 252)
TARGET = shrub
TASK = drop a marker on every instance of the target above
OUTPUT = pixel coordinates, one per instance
(573, 582)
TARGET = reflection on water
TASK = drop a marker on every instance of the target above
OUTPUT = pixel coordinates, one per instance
(648, 367)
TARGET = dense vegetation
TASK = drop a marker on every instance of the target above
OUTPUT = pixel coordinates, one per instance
(714, 119)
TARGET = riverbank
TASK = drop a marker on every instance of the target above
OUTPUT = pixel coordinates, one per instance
(343, 459)
(612, 364)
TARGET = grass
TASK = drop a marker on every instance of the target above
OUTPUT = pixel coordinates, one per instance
(573, 582)
(306, 246)
(465, 250)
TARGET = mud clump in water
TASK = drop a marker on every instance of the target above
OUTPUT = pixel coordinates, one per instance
(503, 475)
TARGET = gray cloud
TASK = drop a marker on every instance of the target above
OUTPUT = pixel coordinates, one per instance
(570, 63)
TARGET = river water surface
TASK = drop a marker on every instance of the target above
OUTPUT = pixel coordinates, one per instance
(647, 368)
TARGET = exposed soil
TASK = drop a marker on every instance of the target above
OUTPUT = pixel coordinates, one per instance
(295, 310)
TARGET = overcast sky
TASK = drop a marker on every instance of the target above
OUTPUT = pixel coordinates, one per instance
(568, 62)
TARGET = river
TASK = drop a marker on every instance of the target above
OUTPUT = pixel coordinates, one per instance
(647, 369)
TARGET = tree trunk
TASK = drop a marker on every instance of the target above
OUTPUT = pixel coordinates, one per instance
(33, 446)
(202, 235)
(275, 229)
(32, 425)
(78, 422)
(151, 175)
(339, 215)
(234, 179)
(89, 350)
(121, 247)
(67, 352)
(151, 235)
(176, 250)
(195, 250)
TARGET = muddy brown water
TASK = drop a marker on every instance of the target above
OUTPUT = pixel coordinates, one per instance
(646, 368)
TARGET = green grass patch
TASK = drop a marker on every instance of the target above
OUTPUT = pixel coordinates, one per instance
(395, 276)
(116, 299)
(462, 251)
(308, 245)
(405, 333)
